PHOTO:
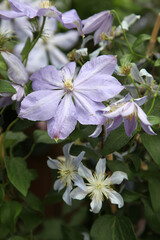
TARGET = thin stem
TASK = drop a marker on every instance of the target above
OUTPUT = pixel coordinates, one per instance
(153, 102)
(31, 150)
(34, 41)
(2, 110)
(135, 84)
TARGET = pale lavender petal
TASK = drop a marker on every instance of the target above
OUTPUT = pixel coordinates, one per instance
(142, 116)
(115, 198)
(10, 14)
(101, 166)
(95, 205)
(129, 108)
(47, 78)
(64, 120)
(113, 114)
(58, 185)
(147, 128)
(78, 181)
(130, 125)
(16, 71)
(77, 160)
(100, 87)
(68, 70)
(66, 40)
(20, 94)
(57, 57)
(84, 171)
(88, 110)
(5, 101)
(50, 12)
(99, 65)
(66, 150)
(115, 124)
(24, 8)
(78, 194)
(52, 163)
(70, 19)
(136, 74)
(116, 178)
(140, 101)
(97, 132)
(40, 105)
(66, 196)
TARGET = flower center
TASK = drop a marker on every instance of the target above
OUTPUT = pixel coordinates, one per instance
(45, 4)
(66, 172)
(104, 36)
(68, 85)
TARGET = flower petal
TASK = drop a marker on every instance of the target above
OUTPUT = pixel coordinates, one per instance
(84, 171)
(68, 70)
(97, 132)
(130, 125)
(16, 71)
(142, 116)
(50, 12)
(140, 101)
(64, 120)
(78, 194)
(129, 108)
(95, 205)
(117, 177)
(147, 129)
(101, 166)
(78, 181)
(66, 150)
(39, 105)
(26, 9)
(52, 163)
(57, 57)
(115, 198)
(58, 185)
(10, 14)
(77, 160)
(66, 196)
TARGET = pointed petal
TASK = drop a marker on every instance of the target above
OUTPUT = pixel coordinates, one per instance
(135, 74)
(5, 101)
(115, 124)
(101, 166)
(39, 105)
(147, 129)
(58, 185)
(78, 194)
(115, 198)
(96, 205)
(66, 150)
(78, 181)
(57, 57)
(24, 8)
(84, 171)
(99, 65)
(52, 163)
(117, 178)
(68, 70)
(77, 160)
(50, 12)
(130, 125)
(140, 101)
(66, 40)
(142, 116)
(16, 71)
(66, 196)
(11, 14)
(129, 108)
(64, 120)
(47, 78)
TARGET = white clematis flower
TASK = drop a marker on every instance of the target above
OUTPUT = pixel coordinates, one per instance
(99, 186)
(68, 172)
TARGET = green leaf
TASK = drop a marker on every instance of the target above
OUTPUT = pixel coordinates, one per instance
(156, 109)
(5, 86)
(16, 238)
(151, 143)
(153, 218)
(22, 124)
(154, 120)
(141, 38)
(136, 161)
(9, 213)
(26, 48)
(116, 165)
(2, 194)
(71, 233)
(109, 227)
(116, 140)
(34, 202)
(154, 186)
(18, 174)
(157, 63)
(129, 196)
(41, 136)
(13, 138)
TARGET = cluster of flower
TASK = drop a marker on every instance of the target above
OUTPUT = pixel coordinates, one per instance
(98, 185)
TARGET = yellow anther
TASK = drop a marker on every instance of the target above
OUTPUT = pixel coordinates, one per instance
(68, 85)
(45, 4)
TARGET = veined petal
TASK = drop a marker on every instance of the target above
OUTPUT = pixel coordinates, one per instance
(130, 125)
(66, 196)
(142, 116)
(52, 163)
(66, 40)
(115, 124)
(101, 166)
(78, 181)
(99, 87)
(68, 70)
(147, 129)
(58, 185)
(26, 9)
(16, 71)
(99, 65)
(96, 205)
(88, 110)
(84, 171)
(47, 78)
(66, 150)
(77, 160)
(64, 120)
(115, 198)
(116, 178)
(10, 14)
(39, 105)
(97, 132)
(78, 194)
(50, 12)
(140, 101)
(129, 108)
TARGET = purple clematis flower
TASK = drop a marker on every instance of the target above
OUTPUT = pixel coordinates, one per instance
(100, 23)
(18, 76)
(127, 110)
(68, 172)
(62, 99)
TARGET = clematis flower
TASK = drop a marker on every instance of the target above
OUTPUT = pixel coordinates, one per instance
(128, 110)
(100, 24)
(18, 76)
(99, 186)
(68, 172)
(62, 99)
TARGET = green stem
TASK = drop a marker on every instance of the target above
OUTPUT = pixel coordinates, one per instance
(153, 102)
(31, 150)
(2, 110)
(34, 41)
(135, 85)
